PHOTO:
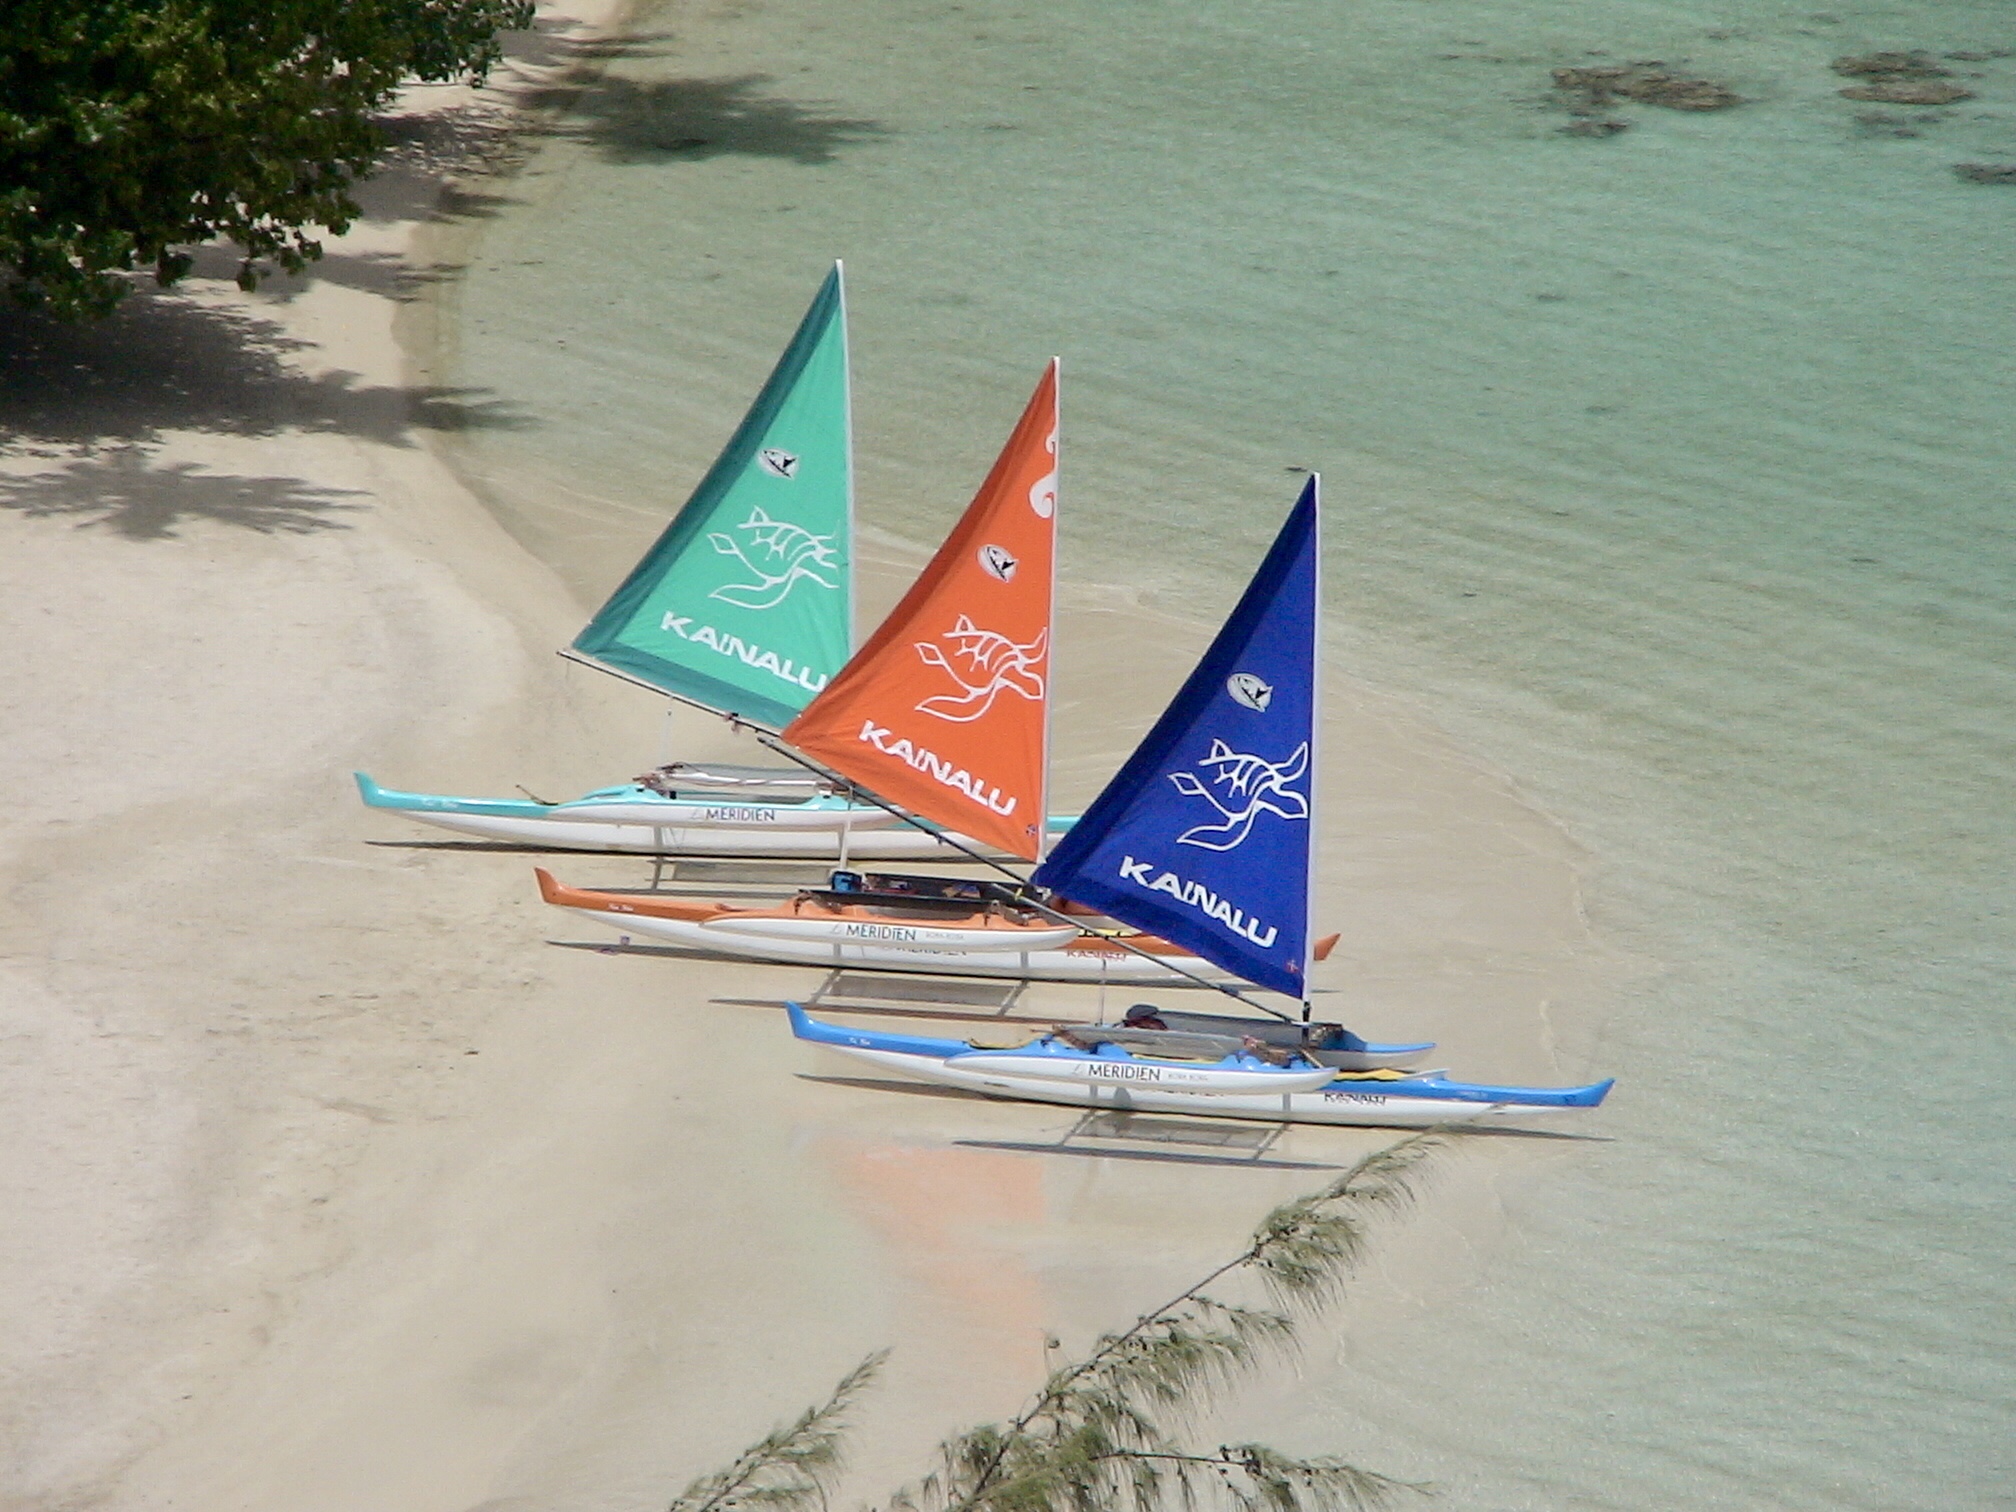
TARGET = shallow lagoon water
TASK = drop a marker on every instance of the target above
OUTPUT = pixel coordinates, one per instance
(1671, 471)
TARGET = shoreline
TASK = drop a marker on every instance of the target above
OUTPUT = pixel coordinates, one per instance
(331, 1173)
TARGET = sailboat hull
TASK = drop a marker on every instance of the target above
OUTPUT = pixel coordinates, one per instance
(1377, 1106)
(636, 821)
(927, 951)
(1253, 1079)
(808, 933)
(1404, 1102)
(681, 840)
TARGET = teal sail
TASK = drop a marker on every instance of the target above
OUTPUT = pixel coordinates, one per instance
(745, 604)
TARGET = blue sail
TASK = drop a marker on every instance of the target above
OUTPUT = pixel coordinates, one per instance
(1204, 836)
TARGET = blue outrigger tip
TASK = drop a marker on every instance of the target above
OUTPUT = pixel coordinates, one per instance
(811, 1030)
(1548, 1097)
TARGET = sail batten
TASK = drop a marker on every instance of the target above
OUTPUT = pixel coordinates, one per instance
(1204, 836)
(946, 709)
(745, 604)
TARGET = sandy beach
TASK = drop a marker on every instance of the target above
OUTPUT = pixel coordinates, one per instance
(331, 1181)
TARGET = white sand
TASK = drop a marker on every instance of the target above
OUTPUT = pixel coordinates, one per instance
(329, 1184)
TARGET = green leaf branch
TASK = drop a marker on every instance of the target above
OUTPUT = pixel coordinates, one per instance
(790, 1467)
(133, 129)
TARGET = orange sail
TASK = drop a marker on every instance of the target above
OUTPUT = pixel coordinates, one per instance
(946, 710)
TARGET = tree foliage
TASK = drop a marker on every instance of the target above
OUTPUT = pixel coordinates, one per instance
(1102, 1434)
(132, 129)
(788, 1467)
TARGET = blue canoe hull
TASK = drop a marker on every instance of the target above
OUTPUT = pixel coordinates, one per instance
(1383, 1101)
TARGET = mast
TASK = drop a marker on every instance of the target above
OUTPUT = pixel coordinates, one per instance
(1315, 743)
(1050, 702)
(847, 422)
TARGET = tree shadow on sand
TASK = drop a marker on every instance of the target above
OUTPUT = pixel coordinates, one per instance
(121, 491)
(383, 273)
(164, 363)
(683, 120)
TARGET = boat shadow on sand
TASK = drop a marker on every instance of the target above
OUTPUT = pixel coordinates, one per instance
(687, 953)
(816, 870)
(499, 847)
(771, 878)
(1246, 1143)
(666, 952)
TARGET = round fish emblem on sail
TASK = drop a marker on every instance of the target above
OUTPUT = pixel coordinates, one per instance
(998, 564)
(782, 464)
(1249, 690)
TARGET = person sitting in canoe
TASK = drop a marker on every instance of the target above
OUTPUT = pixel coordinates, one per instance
(660, 780)
(1274, 1055)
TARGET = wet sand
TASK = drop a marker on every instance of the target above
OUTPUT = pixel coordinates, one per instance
(334, 1182)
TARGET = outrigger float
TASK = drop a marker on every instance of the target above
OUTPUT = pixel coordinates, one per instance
(1218, 1076)
(944, 926)
(743, 608)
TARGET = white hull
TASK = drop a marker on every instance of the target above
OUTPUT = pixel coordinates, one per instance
(1361, 1104)
(1132, 1074)
(742, 928)
(1050, 964)
(903, 844)
(733, 817)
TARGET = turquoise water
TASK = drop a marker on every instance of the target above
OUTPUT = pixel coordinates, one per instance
(1671, 471)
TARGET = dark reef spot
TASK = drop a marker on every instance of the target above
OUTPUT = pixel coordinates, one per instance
(1890, 65)
(1586, 127)
(1908, 92)
(1875, 123)
(1647, 82)
(1899, 78)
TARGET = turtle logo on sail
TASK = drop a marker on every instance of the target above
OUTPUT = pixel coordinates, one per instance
(779, 462)
(779, 554)
(993, 664)
(1254, 786)
(1249, 690)
(997, 563)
